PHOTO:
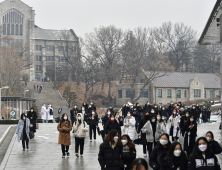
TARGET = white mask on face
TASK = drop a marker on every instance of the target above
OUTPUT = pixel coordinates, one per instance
(178, 106)
(23, 118)
(89, 106)
(155, 106)
(174, 112)
(128, 115)
(65, 118)
(163, 108)
(177, 153)
(202, 148)
(138, 105)
(116, 138)
(209, 139)
(93, 113)
(191, 119)
(31, 110)
(181, 109)
(193, 107)
(163, 142)
(83, 108)
(152, 111)
(112, 118)
(153, 120)
(117, 116)
(158, 118)
(108, 113)
(79, 118)
(187, 115)
(75, 107)
(26, 114)
(124, 142)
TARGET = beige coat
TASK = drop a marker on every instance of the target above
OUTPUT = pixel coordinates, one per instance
(80, 132)
(64, 133)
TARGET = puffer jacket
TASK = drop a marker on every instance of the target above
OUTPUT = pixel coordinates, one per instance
(78, 131)
(110, 158)
(130, 130)
(109, 126)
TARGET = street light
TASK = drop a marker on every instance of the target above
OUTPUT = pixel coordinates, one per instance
(6, 87)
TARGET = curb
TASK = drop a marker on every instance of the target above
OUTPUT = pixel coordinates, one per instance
(8, 152)
(5, 134)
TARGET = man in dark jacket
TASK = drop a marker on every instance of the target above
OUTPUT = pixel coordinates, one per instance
(74, 113)
(106, 118)
(147, 107)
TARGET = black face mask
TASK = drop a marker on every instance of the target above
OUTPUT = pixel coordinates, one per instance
(147, 117)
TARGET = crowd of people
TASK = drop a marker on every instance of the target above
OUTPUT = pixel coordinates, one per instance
(121, 130)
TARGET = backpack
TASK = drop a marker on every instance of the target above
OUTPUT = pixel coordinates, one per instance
(51, 112)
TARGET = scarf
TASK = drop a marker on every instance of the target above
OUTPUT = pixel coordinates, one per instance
(112, 121)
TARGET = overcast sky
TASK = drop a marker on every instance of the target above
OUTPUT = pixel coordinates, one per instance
(84, 15)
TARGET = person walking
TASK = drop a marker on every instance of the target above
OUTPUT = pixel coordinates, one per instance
(136, 115)
(93, 123)
(110, 152)
(106, 118)
(159, 118)
(85, 105)
(208, 114)
(22, 131)
(50, 113)
(34, 86)
(64, 127)
(128, 152)
(125, 110)
(74, 113)
(215, 147)
(183, 120)
(84, 113)
(174, 130)
(44, 113)
(190, 135)
(37, 87)
(32, 117)
(174, 159)
(112, 124)
(129, 126)
(202, 157)
(80, 128)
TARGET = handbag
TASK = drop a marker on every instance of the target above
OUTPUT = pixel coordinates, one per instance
(37, 126)
(31, 135)
(98, 131)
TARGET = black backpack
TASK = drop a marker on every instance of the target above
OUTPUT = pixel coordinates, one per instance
(51, 112)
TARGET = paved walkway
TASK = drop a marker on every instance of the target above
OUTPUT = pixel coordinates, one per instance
(45, 152)
(2, 129)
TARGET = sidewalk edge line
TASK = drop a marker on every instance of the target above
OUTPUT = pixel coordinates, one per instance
(5, 134)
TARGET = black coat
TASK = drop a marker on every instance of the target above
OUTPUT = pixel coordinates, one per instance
(109, 126)
(189, 145)
(183, 120)
(195, 113)
(128, 158)
(157, 151)
(147, 108)
(73, 114)
(125, 110)
(105, 120)
(33, 120)
(110, 157)
(216, 148)
(143, 135)
(93, 122)
(199, 157)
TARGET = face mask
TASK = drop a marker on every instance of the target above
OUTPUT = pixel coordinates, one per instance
(171, 103)
(204, 107)
(23, 118)
(163, 142)
(65, 118)
(152, 111)
(177, 153)
(148, 103)
(26, 114)
(117, 116)
(138, 105)
(209, 139)
(110, 107)
(112, 119)
(83, 108)
(158, 118)
(197, 105)
(202, 148)
(91, 103)
(75, 107)
(128, 115)
(163, 108)
(181, 109)
(89, 106)
(108, 113)
(155, 106)
(124, 142)
(31, 110)
(116, 138)
(153, 120)
(93, 113)
(134, 109)
(79, 118)
(127, 105)
(187, 115)
(193, 107)
(191, 119)
(174, 112)
(177, 106)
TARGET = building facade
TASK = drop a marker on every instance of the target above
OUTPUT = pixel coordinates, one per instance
(43, 45)
(171, 87)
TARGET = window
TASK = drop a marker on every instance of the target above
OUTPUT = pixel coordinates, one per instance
(211, 94)
(61, 48)
(185, 93)
(38, 68)
(16, 29)
(197, 93)
(159, 92)
(178, 93)
(142, 81)
(129, 93)
(219, 93)
(168, 93)
(12, 30)
(38, 58)
(119, 93)
(63, 59)
(38, 48)
(205, 94)
(50, 58)
(49, 48)
(144, 93)
(4, 29)
(8, 29)
(21, 30)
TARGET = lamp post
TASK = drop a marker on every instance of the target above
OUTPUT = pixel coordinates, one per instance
(6, 87)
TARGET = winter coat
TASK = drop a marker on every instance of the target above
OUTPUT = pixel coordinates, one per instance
(143, 135)
(78, 130)
(216, 148)
(163, 127)
(147, 108)
(109, 126)
(183, 120)
(33, 120)
(128, 157)
(93, 122)
(195, 113)
(105, 120)
(85, 115)
(157, 151)
(85, 106)
(109, 157)
(191, 134)
(176, 128)
(208, 114)
(73, 114)
(136, 115)
(209, 163)
(50, 117)
(130, 130)
(43, 112)
(19, 129)
(148, 128)
(64, 129)
(125, 110)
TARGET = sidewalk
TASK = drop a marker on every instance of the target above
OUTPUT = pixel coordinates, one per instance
(3, 129)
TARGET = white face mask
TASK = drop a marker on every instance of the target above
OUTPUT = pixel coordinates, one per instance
(75, 107)
(181, 109)
(83, 108)
(65, 118)
(124, 142)
(193, 107)
(26, 114)
(163, 108)
(153, 120)
(89, 106)
(108, 113)
(93, 113)
(128, 115)
(152, 111)
(23, 118)
(116, 138)
(178, 106)
(138, 105)
(155, 106)
(209, 139)
(174, 112)
(171, 103)
(191, 119)
(31, 110)
(158, 118)
(112, 118)
(117, 116)
(177, 153)
(163, 142)
(202, 148)
(134, 109)
(79, 118)
(91, 103)
(187, 115)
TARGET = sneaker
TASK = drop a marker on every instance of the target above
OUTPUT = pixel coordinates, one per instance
(63, 156)
(77, 155)
(144, 155)
(23, 149)
(81, 155)
(90, 140)
(27, 147)
(67, 153)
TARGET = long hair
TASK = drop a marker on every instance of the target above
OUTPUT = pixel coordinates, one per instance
(130, 143)
(62, 119)
(165, 134)
(144, 118)
(188, 122)
(138, 163)
(23, 114)
(211, 134)
(170, 155)
(110, 137)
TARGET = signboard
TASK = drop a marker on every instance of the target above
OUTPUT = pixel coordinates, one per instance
(12, 114)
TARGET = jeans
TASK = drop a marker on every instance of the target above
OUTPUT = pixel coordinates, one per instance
(25, 141)
(79, 142)
(64, 149)
(90, 132)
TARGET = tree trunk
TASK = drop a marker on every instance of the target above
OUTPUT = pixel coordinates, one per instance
(103, 84)
(92, 88)
(110, 85)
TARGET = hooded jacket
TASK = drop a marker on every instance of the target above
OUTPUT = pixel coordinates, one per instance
(78, 131)
(130, 130)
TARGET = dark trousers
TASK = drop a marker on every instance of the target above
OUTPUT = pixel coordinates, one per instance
(150, 147)
(90, 132)
(64, 149)
(25, 141)
(50, 121)
(79, 142)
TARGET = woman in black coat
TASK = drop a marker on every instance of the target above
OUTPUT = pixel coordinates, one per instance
(93, 123)
(112, 124)
(74, 113)
(175, 158)
(162, 147)
(128, 151)
(183, 120)
(146, 117)
(190, 135)
(32, 117)
(110, 152)
(216, 148)
(202, 157)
